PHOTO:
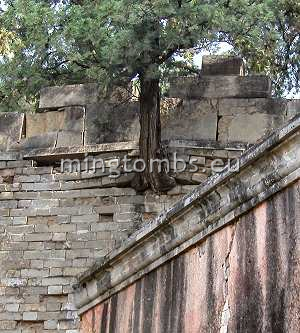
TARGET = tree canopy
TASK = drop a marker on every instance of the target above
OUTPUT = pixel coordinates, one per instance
(112, 41)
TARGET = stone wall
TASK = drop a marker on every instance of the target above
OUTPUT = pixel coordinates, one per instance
(52, 227)
(243, 278)
(218, 108)
(224, 258)
(55, 224)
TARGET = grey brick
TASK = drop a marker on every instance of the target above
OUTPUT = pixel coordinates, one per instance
(12, 307)
(6, 195)
(38, 237)
(57, 281)
(34, 273)
(8, 204)
(84, 218)
(40, 187)
(30, 316)
(55, 290)
(45, 254)
(27, 179)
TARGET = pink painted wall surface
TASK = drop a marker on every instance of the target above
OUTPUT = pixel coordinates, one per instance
(244, 278)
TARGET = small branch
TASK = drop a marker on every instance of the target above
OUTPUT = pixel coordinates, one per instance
(182, 65)
(80, 64)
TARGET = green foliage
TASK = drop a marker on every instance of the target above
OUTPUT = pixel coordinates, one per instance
(113, 41)
(273, 45)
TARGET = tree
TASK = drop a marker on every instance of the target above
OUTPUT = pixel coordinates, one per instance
(113, 41)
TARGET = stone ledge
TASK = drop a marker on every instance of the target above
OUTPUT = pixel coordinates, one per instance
(55, 154)
(264, 170)
(207, 144)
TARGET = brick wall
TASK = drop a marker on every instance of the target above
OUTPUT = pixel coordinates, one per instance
(52, 227)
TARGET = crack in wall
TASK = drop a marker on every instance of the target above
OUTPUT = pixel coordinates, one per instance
(225, 317)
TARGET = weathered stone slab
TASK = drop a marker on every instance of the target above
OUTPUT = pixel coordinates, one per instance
(192, 120)
(107, 123)
(3, 142)
(70, 95)
(11, 128)
(81, 94)
(56, 154)
(46, 140)
(293, 108)
(257, 86)
(222, 65)
(238, 106)
(247, 127)
(69, 138)
(69, 119)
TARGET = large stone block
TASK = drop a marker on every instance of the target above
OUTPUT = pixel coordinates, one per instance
(256, 86)
(11, 128)
(70, 95)
(3, 141)
(69, 119)
(222, 65)
(81, 94)
(238, 106)
(192, 120)
(46, 140)
(106, 123)
(293, 108)
(69, 138)
(247, 128)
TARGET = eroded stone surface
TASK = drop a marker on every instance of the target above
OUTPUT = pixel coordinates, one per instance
(221, 87)
(192, 120)
(264, 170)
(107, 123)
(293, 108)
(69, 95)
(11, 128)
(244, 278)
(218, 65)
(247, 127)
(68, 119)
(45, 140)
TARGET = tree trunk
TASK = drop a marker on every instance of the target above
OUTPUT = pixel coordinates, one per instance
(150, 139)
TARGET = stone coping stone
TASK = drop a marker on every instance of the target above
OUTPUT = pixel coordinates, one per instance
(222, 65)
(256, 86)
(69, 95)
(56, 97)
(56, 154)
(206, 144)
